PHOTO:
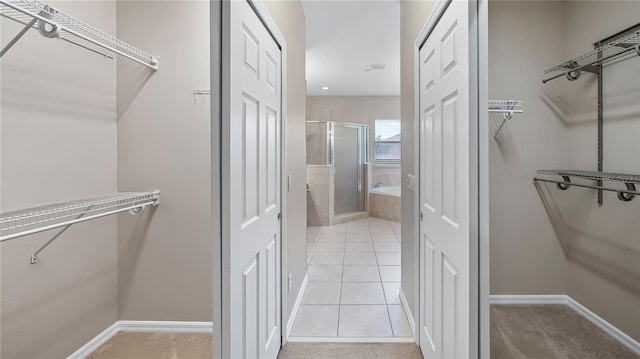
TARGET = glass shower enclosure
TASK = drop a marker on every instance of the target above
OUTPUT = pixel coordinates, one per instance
(345, 147)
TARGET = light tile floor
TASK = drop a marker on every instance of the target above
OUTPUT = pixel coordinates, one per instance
(354, 282)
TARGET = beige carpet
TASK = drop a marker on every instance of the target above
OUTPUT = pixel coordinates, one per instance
(517, 332)
(549, 332)
(135, 345)
(350, 351)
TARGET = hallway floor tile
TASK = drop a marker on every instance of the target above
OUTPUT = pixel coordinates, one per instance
(354, 282)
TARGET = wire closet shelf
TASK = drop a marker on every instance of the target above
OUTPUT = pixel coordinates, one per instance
(33, 220)
(630, 181)
(505, 107)
(53, 23)
(618, 49)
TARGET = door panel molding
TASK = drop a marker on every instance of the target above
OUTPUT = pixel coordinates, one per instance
(253, 47)
(445, 124)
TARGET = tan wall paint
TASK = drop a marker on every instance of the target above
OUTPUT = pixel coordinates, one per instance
(604, 257)
(58, 119)
(600, 264)
(291, 22)
(164, 142)
(413, 16)
(526, 256)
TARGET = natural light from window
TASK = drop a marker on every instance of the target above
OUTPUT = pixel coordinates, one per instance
(387, 142)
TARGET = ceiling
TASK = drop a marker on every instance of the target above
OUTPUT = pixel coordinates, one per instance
(346, 37)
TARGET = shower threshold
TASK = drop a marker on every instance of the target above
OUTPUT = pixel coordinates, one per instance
(350, 216)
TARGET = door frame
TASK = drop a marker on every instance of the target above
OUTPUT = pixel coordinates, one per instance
(479, 189)
(220, 119)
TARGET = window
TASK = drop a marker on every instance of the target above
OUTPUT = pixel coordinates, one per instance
(387, 142)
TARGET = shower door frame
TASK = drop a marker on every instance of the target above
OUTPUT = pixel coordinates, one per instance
(363, 155)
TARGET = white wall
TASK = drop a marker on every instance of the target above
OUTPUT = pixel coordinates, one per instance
(58, 143)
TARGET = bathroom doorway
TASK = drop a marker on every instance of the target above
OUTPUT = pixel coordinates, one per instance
(352, 292)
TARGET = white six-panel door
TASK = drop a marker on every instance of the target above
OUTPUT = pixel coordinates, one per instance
(444, 189)
(254, 187)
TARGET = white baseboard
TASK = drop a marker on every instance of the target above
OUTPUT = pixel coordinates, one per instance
(94, 343)
(623, 338)
(164, 326)
(610, 329)
(296, 306)
(528, 299)
(140, 326)
(407, 310)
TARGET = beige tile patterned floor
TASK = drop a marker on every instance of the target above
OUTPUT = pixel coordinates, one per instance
(354, 282)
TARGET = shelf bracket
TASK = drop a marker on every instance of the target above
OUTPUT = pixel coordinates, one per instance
(18, 36)
(507, 108)
(626, 196)
(564, 186)
(34, 256)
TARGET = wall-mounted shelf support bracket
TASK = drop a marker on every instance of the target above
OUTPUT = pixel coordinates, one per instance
(34, 256)
(627, 196)
(18, 36)
(564, 186)
(507, 108)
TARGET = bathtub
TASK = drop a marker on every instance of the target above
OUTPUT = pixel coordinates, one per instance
(388, 190)
(384, 202)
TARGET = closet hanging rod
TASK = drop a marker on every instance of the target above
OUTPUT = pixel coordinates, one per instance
(106, 205)
(63, 25)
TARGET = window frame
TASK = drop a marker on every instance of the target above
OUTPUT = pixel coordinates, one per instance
(389, 163)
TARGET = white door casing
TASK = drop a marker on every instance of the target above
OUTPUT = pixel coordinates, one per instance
(252, 271)
(446, 168)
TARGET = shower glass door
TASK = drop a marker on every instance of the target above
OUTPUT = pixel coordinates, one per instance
(348, 152)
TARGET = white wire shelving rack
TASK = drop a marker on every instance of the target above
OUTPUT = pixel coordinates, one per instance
(618, 49)
(630, 181)
(505, 107)
(27, 221)
(53, 23)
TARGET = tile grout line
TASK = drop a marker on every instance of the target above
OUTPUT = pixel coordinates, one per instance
(384, 293)
(341, 282)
